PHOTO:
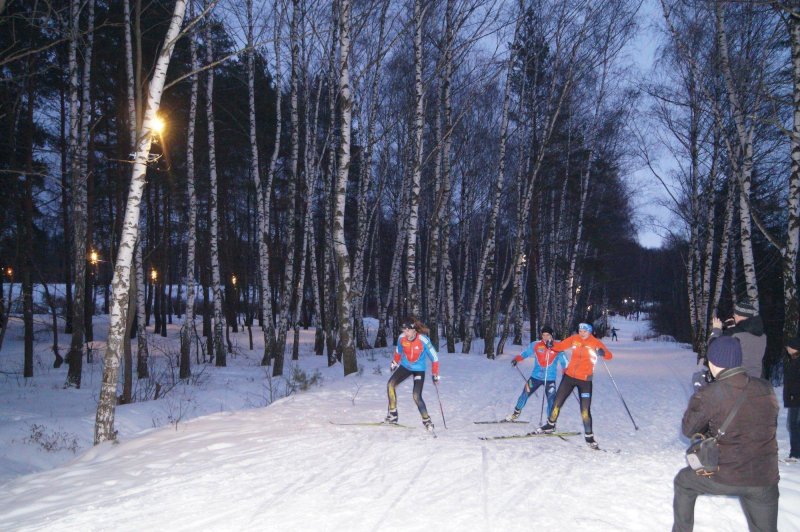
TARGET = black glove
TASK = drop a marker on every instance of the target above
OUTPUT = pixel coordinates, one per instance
(549, 344)
(435, 379)
(601, 352)
(699, 379)
(514, 362)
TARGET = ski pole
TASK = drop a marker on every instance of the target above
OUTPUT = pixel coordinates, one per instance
(436, 385)
(525, 379)
(544, 394)
(620, 395)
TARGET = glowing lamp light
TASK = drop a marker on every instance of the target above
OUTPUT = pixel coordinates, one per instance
(153, 275)
(93, 257)
(233, 280)
(10, 271)
(158, 125)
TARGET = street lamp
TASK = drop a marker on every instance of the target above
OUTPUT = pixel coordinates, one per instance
(153, 275)
(94, 258)
(10, 272)
(233, 280)
(158, 125)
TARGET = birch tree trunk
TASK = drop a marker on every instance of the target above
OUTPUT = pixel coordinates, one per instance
(285, 301)
(343, 295)
(188, 329)
(485, 272)
(365, 181)
(78, 208)
(268, 327)
(213, 230)
(745, 169)
(790, 300)
(416, 172)
(104, 421)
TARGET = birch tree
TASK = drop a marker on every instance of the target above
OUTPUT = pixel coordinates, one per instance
(188, 329)
(343, 293)
(213, 209)
(104, 421)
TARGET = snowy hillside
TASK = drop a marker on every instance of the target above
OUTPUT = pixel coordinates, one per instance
(219, 460)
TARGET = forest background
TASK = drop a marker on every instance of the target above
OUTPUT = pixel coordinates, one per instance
(298, 163)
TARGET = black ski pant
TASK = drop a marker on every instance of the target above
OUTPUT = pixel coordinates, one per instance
(760, 503)
(565, 388)
(399, 375)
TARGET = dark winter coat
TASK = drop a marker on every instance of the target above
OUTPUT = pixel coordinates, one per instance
(750, 333)
(748, 452)
(791, 381)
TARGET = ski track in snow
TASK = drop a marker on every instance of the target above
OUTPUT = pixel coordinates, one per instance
(286, 467)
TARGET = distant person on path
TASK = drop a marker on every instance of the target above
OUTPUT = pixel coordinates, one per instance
(791, 395)
(748, 327)
(410, 359)
(614, 334)
(585, 351)
(748, 451)
(544, 373)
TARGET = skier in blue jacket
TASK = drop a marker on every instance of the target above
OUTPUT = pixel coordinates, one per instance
(411, 356)
(545, 371)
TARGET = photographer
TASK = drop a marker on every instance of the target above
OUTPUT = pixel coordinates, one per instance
(748, 450)
(746, 326)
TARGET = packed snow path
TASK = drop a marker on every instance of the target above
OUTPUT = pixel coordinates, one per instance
(286, 467)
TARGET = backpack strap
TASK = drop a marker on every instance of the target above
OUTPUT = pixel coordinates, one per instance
(721, 430)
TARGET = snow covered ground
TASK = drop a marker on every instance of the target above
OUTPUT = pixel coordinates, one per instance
(211, 455)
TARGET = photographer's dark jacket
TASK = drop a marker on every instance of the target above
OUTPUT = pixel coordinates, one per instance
(791, 381)
(750, 333)
(748, 452)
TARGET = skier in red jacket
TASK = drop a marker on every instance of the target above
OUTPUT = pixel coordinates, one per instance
(585, 351)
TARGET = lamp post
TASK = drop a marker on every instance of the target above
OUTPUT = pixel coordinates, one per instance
(234, 280)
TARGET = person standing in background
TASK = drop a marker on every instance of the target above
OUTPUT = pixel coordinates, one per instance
(748, 327)
(791, 395)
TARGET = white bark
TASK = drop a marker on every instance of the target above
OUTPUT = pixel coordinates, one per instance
(188, 329)
(745, 151)
(343, 302)
(213, 229)
(104, 422)
(416, 172)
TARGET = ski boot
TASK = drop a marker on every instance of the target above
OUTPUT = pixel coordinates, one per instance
(391, 418)
(547, 428)
(428, 424)
(512, 416)
(591, 443)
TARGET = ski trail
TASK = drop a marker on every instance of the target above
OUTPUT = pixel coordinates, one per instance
(406, 488)
(485, 482)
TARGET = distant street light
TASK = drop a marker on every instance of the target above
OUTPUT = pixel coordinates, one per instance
(233, 280)
(153, 275)
(10, 272)
(94, 257)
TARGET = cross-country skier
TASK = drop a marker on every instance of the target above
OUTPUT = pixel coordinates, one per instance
(545, 370)
(585, 351)
(410, 358)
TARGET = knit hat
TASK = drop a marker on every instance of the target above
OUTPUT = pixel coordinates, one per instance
(744, 308)
(725, 352)
(547, 329)
(584, 327)
(794, 343)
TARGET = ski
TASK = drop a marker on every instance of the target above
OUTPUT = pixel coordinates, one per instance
(370, 424)
(496, 422)
(562, 435)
